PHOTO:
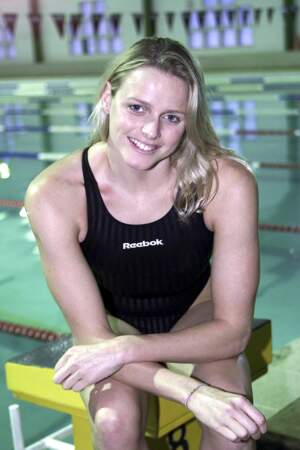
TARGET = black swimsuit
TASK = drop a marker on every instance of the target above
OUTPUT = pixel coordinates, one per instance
(150, 274)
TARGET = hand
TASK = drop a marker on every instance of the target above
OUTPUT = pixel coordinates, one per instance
(83, 365)
(231, 415)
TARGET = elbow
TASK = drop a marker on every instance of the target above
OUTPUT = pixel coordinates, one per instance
(242, 341)
(238, 338)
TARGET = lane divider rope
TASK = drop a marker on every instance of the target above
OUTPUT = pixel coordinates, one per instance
(49, 156)
(18, 204)
(31, 332)
(87, 129)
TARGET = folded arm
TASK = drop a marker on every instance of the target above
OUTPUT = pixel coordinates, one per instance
(234, 280)
(232, 215)
(73, 286)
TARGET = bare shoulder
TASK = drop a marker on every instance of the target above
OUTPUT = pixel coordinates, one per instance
(53, 193)
(234, 179)
(236, 192)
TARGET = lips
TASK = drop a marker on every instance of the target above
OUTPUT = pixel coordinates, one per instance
(146, 148)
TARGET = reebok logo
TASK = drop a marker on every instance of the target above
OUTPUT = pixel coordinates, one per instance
(127, 245)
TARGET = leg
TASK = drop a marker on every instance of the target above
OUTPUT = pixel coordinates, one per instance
(118, 415)
(118, 412)
(232, 375)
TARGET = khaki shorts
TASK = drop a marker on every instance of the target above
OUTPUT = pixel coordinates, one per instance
(121, 328)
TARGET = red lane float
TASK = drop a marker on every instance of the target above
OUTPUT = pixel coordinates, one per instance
(262, 226)
(267, 165)
(289, 132)
(11, 203)
(31, 332)
(279, 228)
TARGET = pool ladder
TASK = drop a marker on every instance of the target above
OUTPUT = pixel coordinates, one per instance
(50, 442)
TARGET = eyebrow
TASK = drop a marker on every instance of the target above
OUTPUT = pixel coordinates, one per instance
(149, 105)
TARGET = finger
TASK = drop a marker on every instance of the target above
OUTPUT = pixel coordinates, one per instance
(70, 381)
(80, 385)
(71, 352)
(256, 436)
(256, 416)
(249, 424)
(237, 428)
(227, 433)
(59, 363)
(62, 374)
(63, 360)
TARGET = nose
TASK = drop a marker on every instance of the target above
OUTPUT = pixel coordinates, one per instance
(151, 129)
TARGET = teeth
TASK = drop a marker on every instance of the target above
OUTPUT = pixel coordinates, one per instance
(142, 146)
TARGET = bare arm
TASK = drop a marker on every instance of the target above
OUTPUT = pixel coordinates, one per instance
(235, 272)
(75, 290)
(234, 281)
(72, 284)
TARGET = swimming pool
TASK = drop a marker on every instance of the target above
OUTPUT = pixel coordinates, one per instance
(255, 114)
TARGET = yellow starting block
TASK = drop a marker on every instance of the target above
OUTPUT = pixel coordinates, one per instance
(170, 425)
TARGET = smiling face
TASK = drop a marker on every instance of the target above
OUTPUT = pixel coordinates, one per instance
(147, 118)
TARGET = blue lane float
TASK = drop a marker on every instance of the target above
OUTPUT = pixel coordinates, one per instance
(21, 112)
(40, 156)
(290, 97)
(44, 129)
(24, 128)
(20, 155)
(47, 156)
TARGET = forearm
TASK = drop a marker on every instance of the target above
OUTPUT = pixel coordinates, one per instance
(85, 365)
(209, 341)
(151, 377)
(230, 414)
(158, 380)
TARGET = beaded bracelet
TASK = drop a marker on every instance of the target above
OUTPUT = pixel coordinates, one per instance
(192, 392)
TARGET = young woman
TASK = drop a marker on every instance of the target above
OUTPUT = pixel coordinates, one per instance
(148, 240)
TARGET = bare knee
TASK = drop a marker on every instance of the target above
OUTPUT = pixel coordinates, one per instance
(232, 374)
(107, 423)
(115, 429)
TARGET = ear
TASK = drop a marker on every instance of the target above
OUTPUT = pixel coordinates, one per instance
(106, 97)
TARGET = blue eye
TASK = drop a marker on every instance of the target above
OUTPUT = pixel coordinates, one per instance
(173, 118)
(136, 108)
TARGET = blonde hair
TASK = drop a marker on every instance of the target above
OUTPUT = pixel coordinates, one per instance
(199, 147)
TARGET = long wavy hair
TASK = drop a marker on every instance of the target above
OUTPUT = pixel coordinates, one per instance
(196, 154)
